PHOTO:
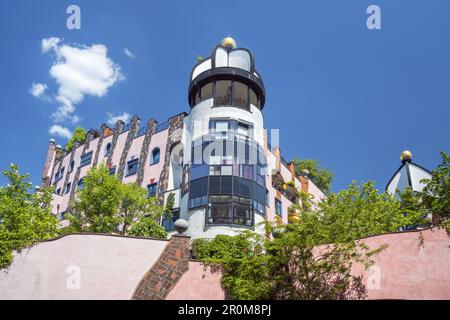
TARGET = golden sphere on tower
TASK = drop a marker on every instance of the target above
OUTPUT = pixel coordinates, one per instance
(229, 42)
(406, 156)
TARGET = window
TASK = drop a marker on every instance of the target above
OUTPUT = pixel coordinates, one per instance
(243, 129)
(86, 159)
(152, 189)
(58, 192)
(206, 92)
(220, 127)
(132, 167)
(67, 190)
(154, 159)
(80, 184)
(112, 171)
(220, 170)
(240, 95)
(199, 171)
(223, 93)
(278, 208)
(108, 149)
(220, 213)
(253, 98)
(71, 166)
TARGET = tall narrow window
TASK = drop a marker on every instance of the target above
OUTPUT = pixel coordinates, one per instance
(152, 189)
(253, 98)
(108, 149)
(71, 166)
(206, 92)
(240, 95)
(278, 208)
(154, 159)
(80, 184)
(223, 93)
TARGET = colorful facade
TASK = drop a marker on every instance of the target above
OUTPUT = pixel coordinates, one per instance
(216, 159)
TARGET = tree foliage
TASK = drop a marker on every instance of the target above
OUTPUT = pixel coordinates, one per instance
(435, 197)
(321, 177)
(149, 228)
(105, 205)
(25, 216)
(96, 207)
(78, 135)
(313, 257)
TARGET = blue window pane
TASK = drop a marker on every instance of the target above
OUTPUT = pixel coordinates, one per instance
(86, 159)
(152, 189)
(278, 208)
(155, 156)
(132, 167)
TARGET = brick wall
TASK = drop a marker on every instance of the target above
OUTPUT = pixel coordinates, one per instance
(165, 273)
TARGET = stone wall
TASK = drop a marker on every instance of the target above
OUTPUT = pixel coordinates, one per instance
(165, 273)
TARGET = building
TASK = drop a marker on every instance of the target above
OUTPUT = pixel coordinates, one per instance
(409, 174)
(216, 159)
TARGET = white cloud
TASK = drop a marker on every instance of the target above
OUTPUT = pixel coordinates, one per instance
(129, 53)
(79, 71)
(49, 44)
(38, 89)
(57, 130)
(112, 118)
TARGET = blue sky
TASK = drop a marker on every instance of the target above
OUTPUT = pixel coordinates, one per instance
(350, 97)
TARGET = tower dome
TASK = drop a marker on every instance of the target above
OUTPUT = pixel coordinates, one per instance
(227, 63)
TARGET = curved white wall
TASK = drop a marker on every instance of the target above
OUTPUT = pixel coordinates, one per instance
(198, 120)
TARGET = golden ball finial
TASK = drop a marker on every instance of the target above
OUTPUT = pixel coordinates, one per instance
(229, 42)
(406, 156)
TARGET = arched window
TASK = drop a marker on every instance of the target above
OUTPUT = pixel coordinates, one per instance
(108, 148)
(154, 159)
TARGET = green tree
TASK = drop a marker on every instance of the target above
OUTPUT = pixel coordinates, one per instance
(319, 176)
(106, 205)
(361, 211)
(313, 257)
(25, 216)
(96, 207)
(78, 135)
(436, 194)
(149, 228)
(134, 205)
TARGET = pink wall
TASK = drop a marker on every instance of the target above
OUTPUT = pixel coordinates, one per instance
(133, 153)
(110, 267)
(197, 283)
(154, 171)
(404, 270)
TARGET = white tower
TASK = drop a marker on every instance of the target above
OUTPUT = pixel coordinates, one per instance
(224, 166)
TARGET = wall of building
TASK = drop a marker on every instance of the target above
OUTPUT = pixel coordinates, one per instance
(110, 268)
(198, 283)
(415, 265)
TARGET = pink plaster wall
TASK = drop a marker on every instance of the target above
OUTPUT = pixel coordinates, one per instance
(110, 268)
(404, 270)
(154, 171)
(133, 153)
(197, 283)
